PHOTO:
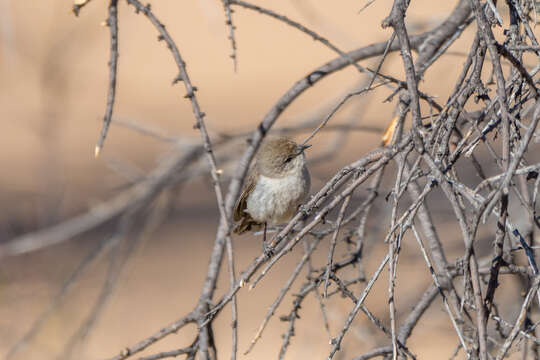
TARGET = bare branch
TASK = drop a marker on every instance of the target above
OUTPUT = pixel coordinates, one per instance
(112, 23)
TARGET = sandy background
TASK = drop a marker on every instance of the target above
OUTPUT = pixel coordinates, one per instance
(53, 81)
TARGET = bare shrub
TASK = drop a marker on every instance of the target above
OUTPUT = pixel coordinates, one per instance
(415, 159)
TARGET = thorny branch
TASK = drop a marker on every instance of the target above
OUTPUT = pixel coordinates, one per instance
(496, 138)
(112, 23)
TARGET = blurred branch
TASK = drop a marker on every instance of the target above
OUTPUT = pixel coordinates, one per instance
(140, 194)
(58, 299)
(144, 129)
(112, 23)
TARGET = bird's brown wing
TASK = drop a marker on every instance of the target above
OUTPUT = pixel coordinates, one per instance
(239, 214)
(241, 203)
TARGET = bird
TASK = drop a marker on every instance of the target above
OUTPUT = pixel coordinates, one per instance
(277, 184)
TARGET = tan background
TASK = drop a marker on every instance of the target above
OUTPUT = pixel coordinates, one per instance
(53, 82)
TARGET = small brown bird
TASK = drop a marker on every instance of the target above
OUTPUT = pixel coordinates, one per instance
(278, 182)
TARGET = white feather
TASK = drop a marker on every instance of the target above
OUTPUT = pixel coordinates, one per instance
(275, 200)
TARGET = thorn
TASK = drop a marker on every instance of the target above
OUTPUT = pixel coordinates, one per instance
(97, 150)
(242, 283)
(219, 171)
(251, 287)
(177, 79)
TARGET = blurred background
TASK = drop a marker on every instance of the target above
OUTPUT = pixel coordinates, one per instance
(53, 86)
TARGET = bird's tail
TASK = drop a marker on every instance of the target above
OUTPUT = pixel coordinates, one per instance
(246, 224)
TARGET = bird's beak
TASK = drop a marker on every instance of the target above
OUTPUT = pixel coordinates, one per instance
(301, 148)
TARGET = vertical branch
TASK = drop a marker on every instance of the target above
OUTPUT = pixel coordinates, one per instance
(206, 342)
(484, 29)
(229, 23)
(441, 292)
(191, 89)
(393, 250)
(333, 242)
(360, 231)
(394, 241)
(112, 23)
(318, 296)
(232, 280)
(396, 19)
(497, 260)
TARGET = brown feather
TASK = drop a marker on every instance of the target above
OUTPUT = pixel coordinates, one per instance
(270, 162)
(246, 221)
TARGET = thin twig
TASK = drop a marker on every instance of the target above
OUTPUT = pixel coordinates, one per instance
(112, 23)
(521, 318)
(230, 24)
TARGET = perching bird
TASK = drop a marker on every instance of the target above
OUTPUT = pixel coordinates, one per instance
(277, 184)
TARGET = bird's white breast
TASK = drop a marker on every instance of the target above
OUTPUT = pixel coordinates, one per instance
(275, 200)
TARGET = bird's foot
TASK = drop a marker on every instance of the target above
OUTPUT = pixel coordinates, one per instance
(304, 210)
(268, 250)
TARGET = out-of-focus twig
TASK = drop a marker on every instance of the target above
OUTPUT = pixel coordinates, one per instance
(98, 215)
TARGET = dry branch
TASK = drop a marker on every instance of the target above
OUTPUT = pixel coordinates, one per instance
(413, 163)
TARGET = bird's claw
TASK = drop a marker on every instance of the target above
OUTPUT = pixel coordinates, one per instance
(268, 250)
(304, 210)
